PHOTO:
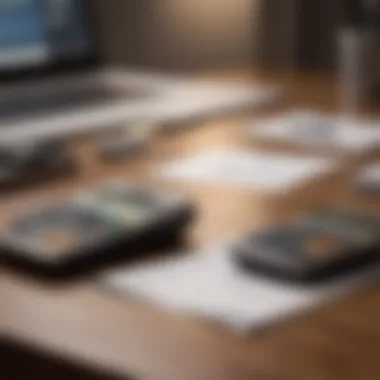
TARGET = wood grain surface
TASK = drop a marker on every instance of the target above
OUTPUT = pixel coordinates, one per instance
(84, 322)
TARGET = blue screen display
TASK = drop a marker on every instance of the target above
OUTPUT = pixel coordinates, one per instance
(37, 32)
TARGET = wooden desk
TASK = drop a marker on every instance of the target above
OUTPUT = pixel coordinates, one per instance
(82, 322)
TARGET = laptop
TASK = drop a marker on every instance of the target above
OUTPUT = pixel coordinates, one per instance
(53, 79)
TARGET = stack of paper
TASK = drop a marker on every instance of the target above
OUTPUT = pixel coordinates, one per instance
(211, 286)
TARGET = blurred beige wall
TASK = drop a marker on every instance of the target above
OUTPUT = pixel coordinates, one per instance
(179, 34)
(203, 34)
(299, 34)
(276, 33)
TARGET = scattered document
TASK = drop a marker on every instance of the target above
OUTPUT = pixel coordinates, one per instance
(265, 171)
(321, 130)
(209, 285)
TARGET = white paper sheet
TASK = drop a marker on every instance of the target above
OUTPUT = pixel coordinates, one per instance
(209, 285)
(322, 130)
(244, 169)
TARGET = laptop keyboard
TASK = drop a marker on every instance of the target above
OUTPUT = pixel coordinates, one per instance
(68, 100)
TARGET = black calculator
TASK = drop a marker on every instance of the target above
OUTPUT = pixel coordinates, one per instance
(117, 220)
(318, 247)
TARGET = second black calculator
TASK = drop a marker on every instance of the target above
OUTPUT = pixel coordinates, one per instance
(315, 248)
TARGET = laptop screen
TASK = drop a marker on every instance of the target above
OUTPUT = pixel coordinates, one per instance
(41, 33)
